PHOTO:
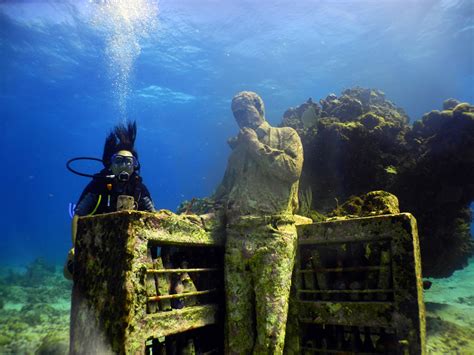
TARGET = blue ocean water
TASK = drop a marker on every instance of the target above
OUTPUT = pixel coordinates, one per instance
(69, 71)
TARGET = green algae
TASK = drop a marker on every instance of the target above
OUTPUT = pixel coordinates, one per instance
(258, 266)
(114, 308)
(109, 303)
(373, 147)
(391, 170)
(370, 204)
(34, 307)
(404, 313)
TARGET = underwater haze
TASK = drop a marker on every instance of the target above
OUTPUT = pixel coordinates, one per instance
(71, 70)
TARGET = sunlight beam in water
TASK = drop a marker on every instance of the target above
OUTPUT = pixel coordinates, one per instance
(126, 23)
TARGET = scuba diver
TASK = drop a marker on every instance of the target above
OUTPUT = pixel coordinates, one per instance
(118, 186)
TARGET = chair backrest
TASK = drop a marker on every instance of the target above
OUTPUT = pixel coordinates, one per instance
(358, 288)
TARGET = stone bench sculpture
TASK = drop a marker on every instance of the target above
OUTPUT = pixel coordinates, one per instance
(153, 283)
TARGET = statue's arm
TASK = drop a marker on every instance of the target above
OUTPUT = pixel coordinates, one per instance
(285, 163)
(222, 189)
(219, 193)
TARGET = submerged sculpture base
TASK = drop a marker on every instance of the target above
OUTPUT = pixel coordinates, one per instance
(154, 281)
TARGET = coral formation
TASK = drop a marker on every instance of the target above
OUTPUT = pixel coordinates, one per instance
(35, 312)
(53, 344)
(448, 338)
(197, 206)
(360, 142)
(370, 204)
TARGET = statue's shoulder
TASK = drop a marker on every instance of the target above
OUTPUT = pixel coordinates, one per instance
(288, 132)
(284, 130)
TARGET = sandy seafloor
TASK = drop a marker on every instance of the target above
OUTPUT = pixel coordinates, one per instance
(35, 305)
(450, 313)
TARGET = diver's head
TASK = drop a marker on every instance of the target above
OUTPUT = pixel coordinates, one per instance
(123, 165)
(119, 154)
(248, 109)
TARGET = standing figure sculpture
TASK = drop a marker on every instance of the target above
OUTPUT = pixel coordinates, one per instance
(259, 194)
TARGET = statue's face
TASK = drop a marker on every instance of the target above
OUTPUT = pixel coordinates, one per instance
(246, 115)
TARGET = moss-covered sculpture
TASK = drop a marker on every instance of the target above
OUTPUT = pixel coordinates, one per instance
(380, 255)
(370, 204)
(113, 290)
(259, 193)
(198, 206)
(111, 295)
(360, 142)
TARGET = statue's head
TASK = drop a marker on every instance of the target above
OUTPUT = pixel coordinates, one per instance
(248, 109)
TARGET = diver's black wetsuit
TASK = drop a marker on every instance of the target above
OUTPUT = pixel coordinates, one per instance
(100, 195)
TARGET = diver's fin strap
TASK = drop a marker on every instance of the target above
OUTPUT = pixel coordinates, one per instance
(96, 206)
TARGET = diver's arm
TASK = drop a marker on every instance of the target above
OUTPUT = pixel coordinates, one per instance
(74, 229)
(68, 268)
(146, 204)
(285, 163)
(87, 204)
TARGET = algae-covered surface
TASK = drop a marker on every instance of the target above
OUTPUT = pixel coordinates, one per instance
(34, 309)
(34, 312)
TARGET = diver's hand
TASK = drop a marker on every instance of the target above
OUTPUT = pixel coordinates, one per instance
(68, 269)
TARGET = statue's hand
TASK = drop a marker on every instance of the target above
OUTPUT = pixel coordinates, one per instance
(248, 136)
(233, 142)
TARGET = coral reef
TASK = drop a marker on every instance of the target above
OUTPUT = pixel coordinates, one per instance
(448, 338)
(53, 344)
(370, 204)
(196, 206)
(35, 313)
(438, 185)
(305, 199)
(360, 142)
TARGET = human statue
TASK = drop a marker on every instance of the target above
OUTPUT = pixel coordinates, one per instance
(259, 195)
(116, 187)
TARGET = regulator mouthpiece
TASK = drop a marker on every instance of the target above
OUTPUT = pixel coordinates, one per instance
(123, 176)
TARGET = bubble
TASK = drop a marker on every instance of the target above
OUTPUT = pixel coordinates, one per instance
(125, 24)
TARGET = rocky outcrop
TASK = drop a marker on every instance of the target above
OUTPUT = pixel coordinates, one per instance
(360, 142)
(371, 204)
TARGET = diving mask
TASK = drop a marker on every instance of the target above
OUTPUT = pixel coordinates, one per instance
(123, 166)
(123, 160)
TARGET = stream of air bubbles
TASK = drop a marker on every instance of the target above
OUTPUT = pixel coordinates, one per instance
(126, 23)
